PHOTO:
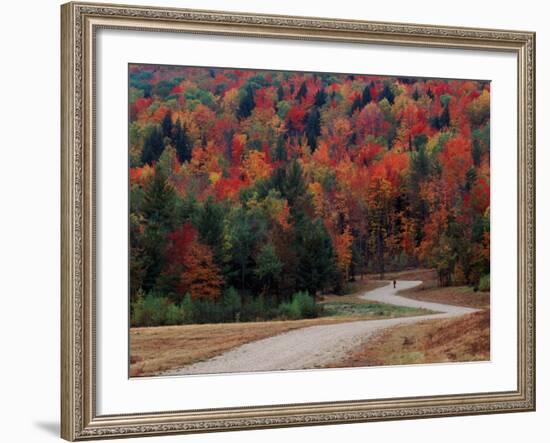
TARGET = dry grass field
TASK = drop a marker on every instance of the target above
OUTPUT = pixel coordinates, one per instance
(431, 341)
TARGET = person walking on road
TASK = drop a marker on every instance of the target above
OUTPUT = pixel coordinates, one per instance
(394, 282)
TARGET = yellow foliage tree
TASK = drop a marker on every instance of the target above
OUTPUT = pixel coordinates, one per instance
(256, 166)
(342, 246)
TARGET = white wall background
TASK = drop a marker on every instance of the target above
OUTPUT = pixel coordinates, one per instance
(29, 220)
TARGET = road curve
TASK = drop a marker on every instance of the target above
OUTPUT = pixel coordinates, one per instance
(317, 346)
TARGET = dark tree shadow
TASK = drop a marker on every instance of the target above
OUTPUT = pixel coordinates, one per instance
(50, 427)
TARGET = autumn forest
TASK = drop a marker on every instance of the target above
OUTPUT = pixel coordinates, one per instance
(254, 192)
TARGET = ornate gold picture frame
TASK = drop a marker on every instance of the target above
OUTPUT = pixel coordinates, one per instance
(80, 23)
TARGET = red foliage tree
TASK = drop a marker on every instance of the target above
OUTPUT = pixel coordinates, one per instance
(193, 263)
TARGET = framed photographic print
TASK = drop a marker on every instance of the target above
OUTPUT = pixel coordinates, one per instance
(282, 221)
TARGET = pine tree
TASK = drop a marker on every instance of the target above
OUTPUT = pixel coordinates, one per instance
(159, 215)
(316, 260)
(280, 150)
(209, 220)
(302, 92)
(280, 93)
(242, 235)
(294, 186)
(476, 152)
(153, 145)
(159, 202)
(320, 98)
(366, 96)
(444, 118)
(166, 125)
(182, 143)
(313, 127)
(387, 93)
(356, 105)
(420, 141)
(268, 267)
(246, 103)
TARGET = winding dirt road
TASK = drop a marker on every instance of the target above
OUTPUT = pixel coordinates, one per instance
(317, 346)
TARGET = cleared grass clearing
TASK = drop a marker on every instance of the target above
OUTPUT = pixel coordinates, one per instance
(431, 341)
(370, 309)
(157, 349)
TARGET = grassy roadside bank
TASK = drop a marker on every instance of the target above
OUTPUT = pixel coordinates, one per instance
(432, 341)
(451, 295)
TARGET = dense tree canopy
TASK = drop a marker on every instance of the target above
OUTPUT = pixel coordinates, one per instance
(277, 182)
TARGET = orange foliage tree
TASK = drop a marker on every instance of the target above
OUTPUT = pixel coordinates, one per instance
(193, 264)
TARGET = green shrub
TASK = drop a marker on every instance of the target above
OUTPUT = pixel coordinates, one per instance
(253, 309)
(231, 304)
(174, 315)
(136, 312)
(153, 310)
(485, 283)
(305, 305)
(156, 310)
(258, 308)
(187, 309)
(207, 311)
(285, 311)
(302, 306)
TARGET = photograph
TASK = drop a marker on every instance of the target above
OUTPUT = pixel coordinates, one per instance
(291, 217)
(287, 220)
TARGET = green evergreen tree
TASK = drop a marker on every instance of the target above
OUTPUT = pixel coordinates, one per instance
(420, 171)
(166, 125)
(268, 267)
(182, 143)
(366, 96)
(316, 259)
(471, 176)
(387, 93)
(476, 152)
(160, 217)
(445, 118)
(313, 127)
(209, 220)
(294, 186)
(302, 92)
(356, 105)
(420, 141)
(153, 145)
(243, 232)
(280, 93)
(320, 98)
(246, 103)
(280, 150)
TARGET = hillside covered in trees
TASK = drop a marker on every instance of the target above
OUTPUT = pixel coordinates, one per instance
(264, 184)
